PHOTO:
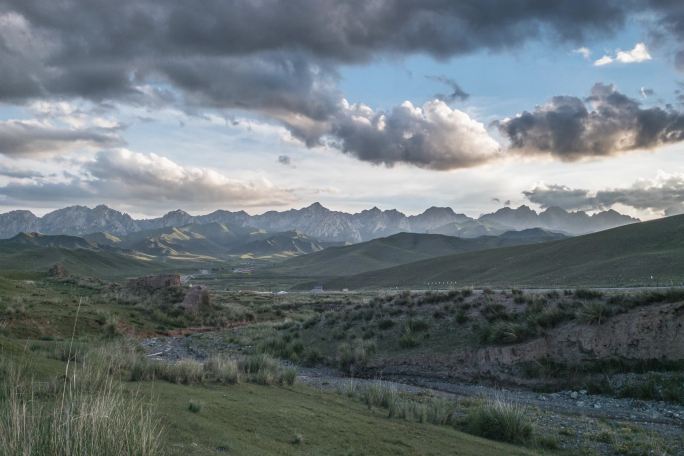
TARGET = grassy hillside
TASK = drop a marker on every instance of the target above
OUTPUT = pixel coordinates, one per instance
(252, 419)
(648, 253)
(27, 259)
(241, 419)
(399, 249)
(41, 240)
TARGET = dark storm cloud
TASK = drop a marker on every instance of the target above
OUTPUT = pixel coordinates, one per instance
(606, 123)
(280, 58)
(670, 23)
(344, 30)
(24, 138)
(457, 93)
(272, 82)
(664, 194)
(105, 50)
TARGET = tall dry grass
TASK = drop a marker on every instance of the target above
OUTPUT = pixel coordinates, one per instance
(86, 413)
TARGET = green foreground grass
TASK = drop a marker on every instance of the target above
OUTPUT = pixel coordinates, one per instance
(249, 419)
(205, 419)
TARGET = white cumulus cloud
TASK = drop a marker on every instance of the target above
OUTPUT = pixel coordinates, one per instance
(637, 55)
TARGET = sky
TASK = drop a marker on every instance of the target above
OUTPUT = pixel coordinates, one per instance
(153, 105)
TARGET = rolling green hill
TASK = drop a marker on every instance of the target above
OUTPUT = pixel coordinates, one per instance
(41, 240)
(400, 249)
(647, 253)
(22, 259)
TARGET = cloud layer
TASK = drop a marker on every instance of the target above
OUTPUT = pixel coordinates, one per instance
(663, 195)
(122, 175)
(606, 123)
(26, 138)
(279, 58)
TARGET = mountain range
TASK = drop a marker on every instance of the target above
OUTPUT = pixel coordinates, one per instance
(316, 221)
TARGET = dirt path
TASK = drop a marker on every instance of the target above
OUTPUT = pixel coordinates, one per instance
(576, 415)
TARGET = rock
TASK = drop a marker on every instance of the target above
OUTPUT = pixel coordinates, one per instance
(580, 404)
(583, 392)
(195, 299)
(58, 271)
(152, 283)
(573, 394)
(597, 406)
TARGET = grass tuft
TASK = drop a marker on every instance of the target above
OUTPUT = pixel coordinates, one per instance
(502, 420)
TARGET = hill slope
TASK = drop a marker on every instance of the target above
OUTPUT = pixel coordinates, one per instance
(41, 240)
(624, 256)
(400, 249)
(27, 258)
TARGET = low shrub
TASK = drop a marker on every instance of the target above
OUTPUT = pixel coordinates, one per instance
(417, 325)
(550, 318)
(408, 338)
(501, 420)
(495, 311)
(426, 410)
(261, 369)
(184, 371)
(222, 370)
(194, 406)
(461, 316)
(312, 357)
(297, 439)
(583, 293)
(385, 324)
(594, 312)
(353, 356)
(379, 394)
(289, 376)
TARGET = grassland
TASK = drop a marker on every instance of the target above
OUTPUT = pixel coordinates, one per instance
(33, 261)
(39, 318)
(398, 249)
(251, 419)
(643, 254)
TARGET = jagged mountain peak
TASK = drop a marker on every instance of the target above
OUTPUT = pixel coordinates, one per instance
(316, 221)
(23, 212)
(317, 206)
(436, 210)
(176, 212)
(554, 210)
